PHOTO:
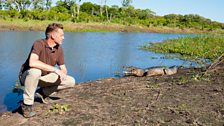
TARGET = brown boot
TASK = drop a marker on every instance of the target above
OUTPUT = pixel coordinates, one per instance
(27, 111)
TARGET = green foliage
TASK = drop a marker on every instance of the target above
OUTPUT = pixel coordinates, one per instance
(84, 17)
(52, 15)
(60, 8)
(90, 9)
(26, 14)
(126, 3)
(63, 16)
(203, 46)
(89, 12)
(3, 14)
(13, 13)
(60, 109)
(37, 14)
(144, 14)
(42, 15)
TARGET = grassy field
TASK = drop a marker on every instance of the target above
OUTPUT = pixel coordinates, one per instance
(35, 25)
(194, 48)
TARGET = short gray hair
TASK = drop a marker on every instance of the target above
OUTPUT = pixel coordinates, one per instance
(52, 27)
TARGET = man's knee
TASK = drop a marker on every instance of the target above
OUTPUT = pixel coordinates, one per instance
(70, 81)
(34, 72)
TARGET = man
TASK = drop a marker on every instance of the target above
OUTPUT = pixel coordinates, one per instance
(39, 69)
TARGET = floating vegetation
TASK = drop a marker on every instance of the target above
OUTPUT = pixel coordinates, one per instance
(202, 49)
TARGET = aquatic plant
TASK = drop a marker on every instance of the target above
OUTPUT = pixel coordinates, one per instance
(198, 48)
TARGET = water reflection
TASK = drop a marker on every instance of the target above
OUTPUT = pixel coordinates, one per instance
(88, 56)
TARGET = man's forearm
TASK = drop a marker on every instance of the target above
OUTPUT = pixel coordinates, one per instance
(43, 66)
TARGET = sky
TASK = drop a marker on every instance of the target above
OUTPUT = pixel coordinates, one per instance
(212, 9)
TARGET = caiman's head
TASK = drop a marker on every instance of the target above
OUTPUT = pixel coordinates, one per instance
(134, 71)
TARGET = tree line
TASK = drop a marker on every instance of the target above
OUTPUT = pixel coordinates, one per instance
(73, 10)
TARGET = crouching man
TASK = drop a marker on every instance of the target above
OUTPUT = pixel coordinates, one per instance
(39, 69)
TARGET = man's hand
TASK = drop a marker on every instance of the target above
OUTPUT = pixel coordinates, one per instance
(61, 74)
(36, 63)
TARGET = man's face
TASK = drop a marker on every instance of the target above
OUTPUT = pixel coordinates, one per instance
(58, 36)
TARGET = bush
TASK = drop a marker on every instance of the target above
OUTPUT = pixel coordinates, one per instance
(63, 16)
(3, 14)
(52, 15)
(116, 20)
(13, 13)
(26, 14)
(83, 17)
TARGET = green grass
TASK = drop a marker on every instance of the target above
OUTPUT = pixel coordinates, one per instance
(195, 48)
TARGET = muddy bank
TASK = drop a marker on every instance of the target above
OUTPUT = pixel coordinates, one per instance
(186, 98)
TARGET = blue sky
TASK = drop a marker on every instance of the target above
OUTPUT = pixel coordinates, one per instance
(212, 9)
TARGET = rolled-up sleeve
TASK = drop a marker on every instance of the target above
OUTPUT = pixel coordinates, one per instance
(36, 48)
(60, 60)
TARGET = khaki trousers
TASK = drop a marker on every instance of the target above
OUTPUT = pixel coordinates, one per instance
(50, 83)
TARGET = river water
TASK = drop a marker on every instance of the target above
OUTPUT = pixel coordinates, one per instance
(88, 56)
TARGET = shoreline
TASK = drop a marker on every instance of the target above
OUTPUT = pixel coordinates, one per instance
(179, 99)
(34, 25)
(189, 97)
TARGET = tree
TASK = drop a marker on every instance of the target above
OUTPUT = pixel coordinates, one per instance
(173, 20)
(147, 13)
(2, 4)
(130, 11)
(38, 4)
(78, 8)
(20, 4)
(48, 4)
(89, 8)
(8, 4)
(126, 3)
(60, 7)
(123, 10)
(114, 11)
(71, 6)
(106, 10)
(101, 8)
(104, 6)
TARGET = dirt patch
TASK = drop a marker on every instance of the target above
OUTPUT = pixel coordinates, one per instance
(186, 98)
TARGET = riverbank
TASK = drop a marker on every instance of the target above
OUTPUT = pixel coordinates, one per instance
(186, 98)
(35, 25)
(190, 97)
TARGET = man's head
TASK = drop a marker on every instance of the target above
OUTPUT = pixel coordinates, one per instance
(55, 32)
